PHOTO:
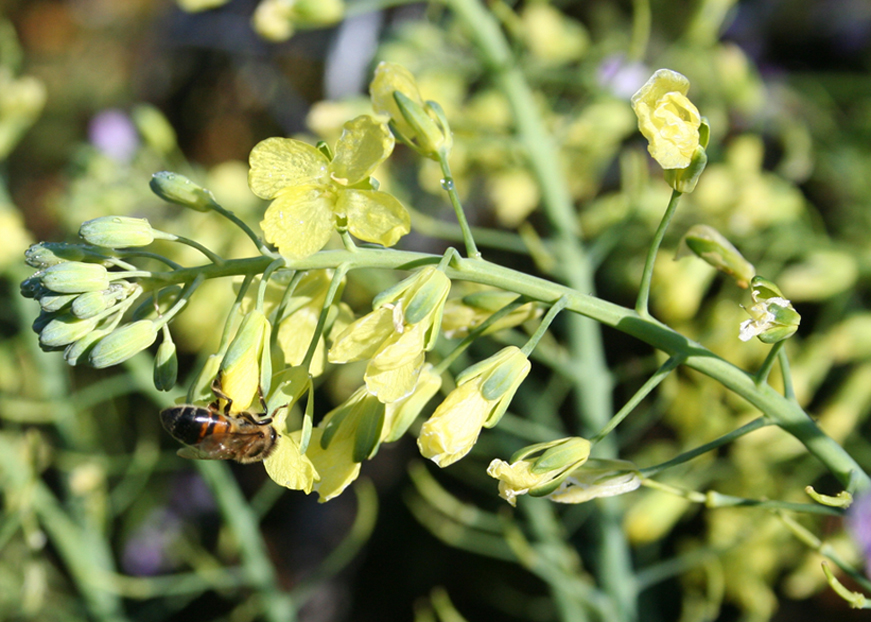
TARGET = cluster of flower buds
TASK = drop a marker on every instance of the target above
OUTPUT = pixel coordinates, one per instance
(84, 292)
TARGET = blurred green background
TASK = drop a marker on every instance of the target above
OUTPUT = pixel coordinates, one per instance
(101, 521)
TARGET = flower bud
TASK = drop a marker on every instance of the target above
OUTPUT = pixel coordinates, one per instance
(56, 302)
(708, 244)
(74, 277)
(165, 366)
(539, 469)
(122, 343)
(65, 329)
(431, 133)
(47, 254)
(242, 365)
(32, 287)
(668, 120)
(481, 398)
(175, 188)
(78, 351)
(90, 304)
(422, 126)
(773, 317)
(117, 232)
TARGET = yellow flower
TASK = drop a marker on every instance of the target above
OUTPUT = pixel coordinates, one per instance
(399, 415)
(421, 125)
(539, 469)
(297, 325)
(667, 119)
(314, 195)
(276, 20)
(349, 434)
(247, 361)
(396, 334)
(288, 467)
(464, 314)
(482, 395)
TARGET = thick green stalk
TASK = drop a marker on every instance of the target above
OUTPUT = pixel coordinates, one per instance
(783, 412)
(592, 388)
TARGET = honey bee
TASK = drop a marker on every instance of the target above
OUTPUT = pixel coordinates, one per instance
(210, 433)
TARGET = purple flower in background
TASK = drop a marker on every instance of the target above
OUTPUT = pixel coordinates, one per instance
(146, 552)
(620, 78)
(859, 526)
(113, 133)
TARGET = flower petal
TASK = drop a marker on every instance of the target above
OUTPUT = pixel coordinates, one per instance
(362, 339)
(374, 216)
(279, 163)
(453, 429)
(288, 467)
(334, 464)
(294, 337)
(299, 222)
(365, 143)
(394, 383)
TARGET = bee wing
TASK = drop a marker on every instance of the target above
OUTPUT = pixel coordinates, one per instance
(217, 447)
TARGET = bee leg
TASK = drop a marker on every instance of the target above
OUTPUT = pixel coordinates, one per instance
(219, 393)
(262, 401)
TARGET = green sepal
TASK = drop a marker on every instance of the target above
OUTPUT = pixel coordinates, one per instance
(370, 423)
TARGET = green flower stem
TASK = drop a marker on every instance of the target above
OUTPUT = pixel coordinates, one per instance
(814, 543)
(212, 256)
(182, 301)
(347, 240)
(768, 363)
(661, 374)
(147, 255)
(592, 393)
(785, 413)
(264, 281)
(788, 388)
(490, 238)
(120, 263)
(258, 241)
(548, 319)
(760, 422)
(714, 499)
(451, 188)
(641, 305)
(338, 277)
(475, 333)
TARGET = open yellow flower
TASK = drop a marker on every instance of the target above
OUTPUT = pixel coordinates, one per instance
(313, 195)
(395, 336)
(667, 119)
